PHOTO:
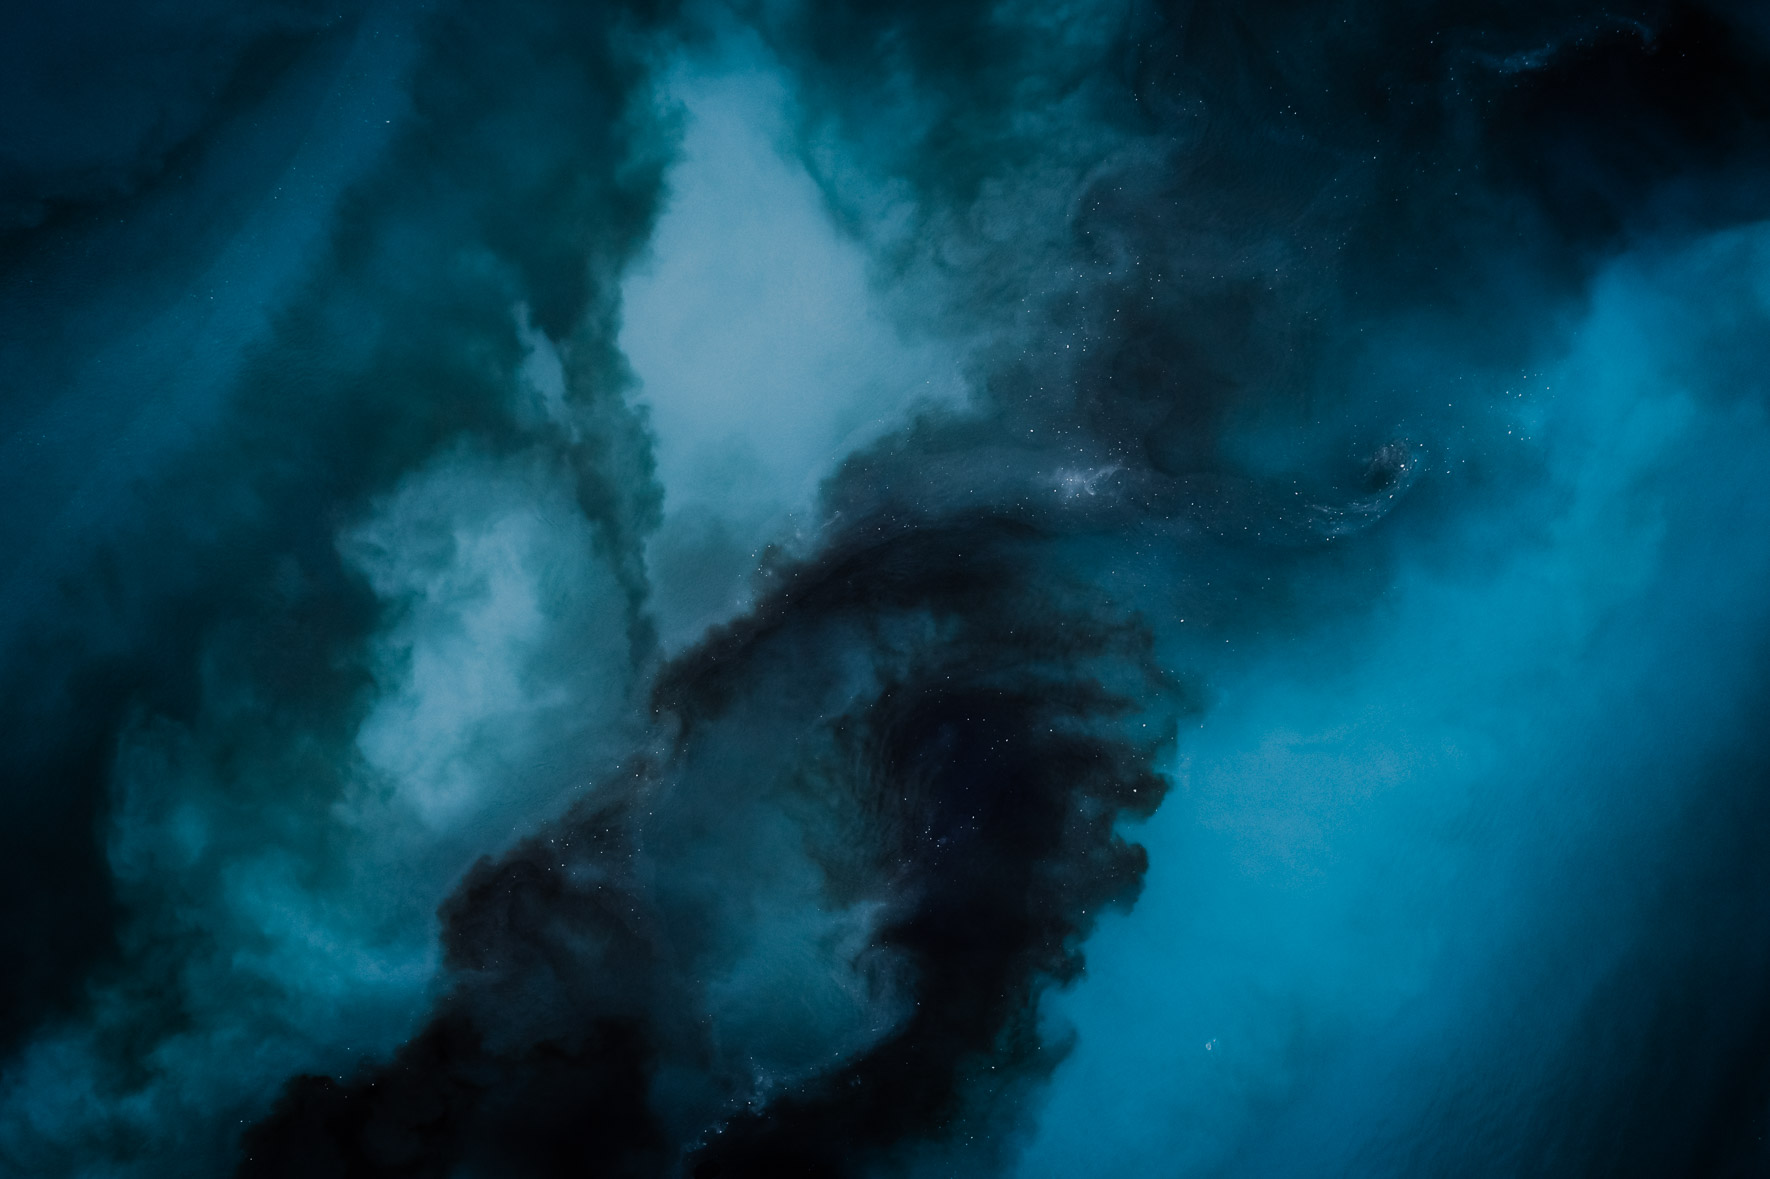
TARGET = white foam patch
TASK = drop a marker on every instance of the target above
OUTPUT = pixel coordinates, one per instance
(287, 896)
(491, 568)
(763, 351)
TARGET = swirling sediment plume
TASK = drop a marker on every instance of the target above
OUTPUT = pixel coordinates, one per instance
(885, 589)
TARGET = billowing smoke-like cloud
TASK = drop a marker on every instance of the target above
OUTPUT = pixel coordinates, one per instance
(859, 589)
(334, 630)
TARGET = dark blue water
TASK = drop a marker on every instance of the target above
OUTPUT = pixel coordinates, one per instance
(885, 589)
